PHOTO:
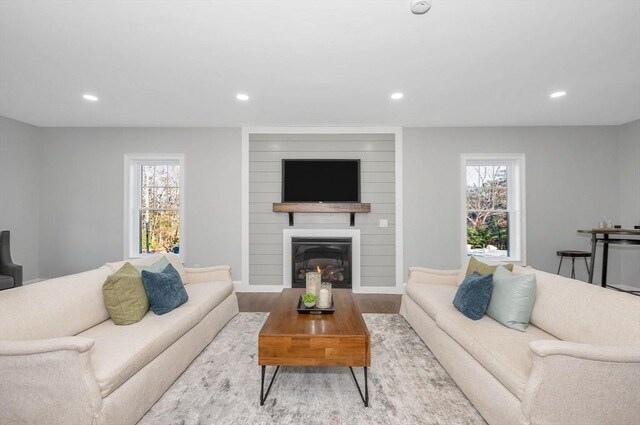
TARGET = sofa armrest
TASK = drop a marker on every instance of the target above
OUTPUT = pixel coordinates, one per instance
(209, 274)
(42, 346)
(582, 383)
(48, 382)
(601, 353)
(424, 275)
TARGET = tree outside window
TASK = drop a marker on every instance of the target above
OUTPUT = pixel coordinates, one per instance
(493, 216)
(159, 214)
(154, 204)
(487, 210)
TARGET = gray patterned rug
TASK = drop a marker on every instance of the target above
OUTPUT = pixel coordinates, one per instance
(407, 385)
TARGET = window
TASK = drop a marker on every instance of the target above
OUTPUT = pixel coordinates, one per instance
(493, 206)
(155, 205)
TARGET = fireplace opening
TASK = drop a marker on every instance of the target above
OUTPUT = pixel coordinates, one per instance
(329, 256)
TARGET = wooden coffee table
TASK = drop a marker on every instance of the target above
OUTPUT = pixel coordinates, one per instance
(289, 338)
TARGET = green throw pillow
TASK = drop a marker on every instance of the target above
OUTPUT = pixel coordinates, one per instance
(512, 298)
(483, 269)
(156, 267)
(124, 296)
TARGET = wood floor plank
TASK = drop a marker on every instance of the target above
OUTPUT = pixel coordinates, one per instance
(368, 303)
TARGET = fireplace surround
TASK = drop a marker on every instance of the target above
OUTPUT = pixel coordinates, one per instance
(324, 234)
(329, 256)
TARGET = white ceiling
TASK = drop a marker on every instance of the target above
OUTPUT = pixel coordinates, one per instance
(181, 63)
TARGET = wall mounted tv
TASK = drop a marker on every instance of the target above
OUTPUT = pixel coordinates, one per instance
(320, 180)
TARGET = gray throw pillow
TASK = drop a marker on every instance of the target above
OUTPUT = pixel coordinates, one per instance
(512, 298)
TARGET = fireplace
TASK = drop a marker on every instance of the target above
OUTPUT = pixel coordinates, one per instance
(329, 256)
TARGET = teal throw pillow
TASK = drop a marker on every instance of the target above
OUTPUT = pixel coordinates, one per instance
(156, 267)
(165, 290)
(473, 295)
(512, 298)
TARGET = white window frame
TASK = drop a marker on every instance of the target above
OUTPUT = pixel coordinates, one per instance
(516, 196)
(132, 192)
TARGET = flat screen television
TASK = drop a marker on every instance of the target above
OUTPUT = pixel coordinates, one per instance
(320, 180)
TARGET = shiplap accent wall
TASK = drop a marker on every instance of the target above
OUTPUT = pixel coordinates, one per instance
(377, 167)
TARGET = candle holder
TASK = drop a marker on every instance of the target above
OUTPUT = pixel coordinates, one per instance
(324, 297)
(313, 283)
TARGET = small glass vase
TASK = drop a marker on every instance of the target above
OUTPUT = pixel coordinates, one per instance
(324, 297)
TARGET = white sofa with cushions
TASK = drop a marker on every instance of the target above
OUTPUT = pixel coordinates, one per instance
(577, 363)
(63, 361)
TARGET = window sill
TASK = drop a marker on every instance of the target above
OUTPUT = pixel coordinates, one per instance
(496, 258)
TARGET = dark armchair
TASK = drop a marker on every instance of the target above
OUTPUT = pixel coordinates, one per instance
(10, 274)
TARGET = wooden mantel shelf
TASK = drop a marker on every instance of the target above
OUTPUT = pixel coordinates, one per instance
(322, 207)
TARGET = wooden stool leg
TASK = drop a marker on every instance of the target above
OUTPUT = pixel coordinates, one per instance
(573, 267)
(560, 265)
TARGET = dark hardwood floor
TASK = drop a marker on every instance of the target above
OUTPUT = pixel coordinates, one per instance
(368, 303)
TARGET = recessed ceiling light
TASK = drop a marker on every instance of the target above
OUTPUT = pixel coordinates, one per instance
(397, 96)
(420, 7)
(557, 94)
(242, 96)
(90, 97)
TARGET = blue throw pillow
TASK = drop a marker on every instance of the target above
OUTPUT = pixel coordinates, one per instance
(473, 295)
(165, 290)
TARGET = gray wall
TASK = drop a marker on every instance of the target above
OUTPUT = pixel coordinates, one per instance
(61, 194)
(629, 138)
(19, 189)
(81, 219)
(571, 181)
(377, 155)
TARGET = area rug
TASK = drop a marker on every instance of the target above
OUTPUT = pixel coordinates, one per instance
(407, 385)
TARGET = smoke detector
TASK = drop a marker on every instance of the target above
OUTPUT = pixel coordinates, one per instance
(420, 7)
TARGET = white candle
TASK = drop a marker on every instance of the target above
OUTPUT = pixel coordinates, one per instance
(325, 300)
(313, 283)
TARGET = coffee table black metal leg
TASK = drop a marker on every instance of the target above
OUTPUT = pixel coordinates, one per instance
(365, 397)
(263, 395)
(366, 388)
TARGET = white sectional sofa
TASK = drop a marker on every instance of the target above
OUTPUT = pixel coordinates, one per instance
(577, 363)
(63, 361)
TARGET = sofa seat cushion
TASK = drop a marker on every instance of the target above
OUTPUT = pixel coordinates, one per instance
(502, 351)
(121, 351)
(433, 299)
(207, 295)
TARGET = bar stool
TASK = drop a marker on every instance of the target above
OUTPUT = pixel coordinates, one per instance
(573, 255)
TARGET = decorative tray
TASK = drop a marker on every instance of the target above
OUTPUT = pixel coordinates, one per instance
(303, 309)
